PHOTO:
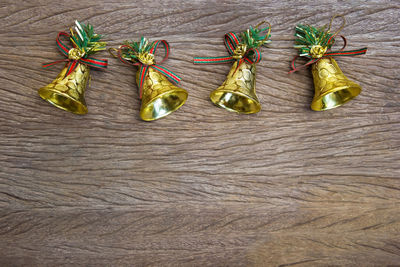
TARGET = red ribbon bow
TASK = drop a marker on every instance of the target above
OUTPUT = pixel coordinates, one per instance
(329, 52)
(253, 55)
(72, 60)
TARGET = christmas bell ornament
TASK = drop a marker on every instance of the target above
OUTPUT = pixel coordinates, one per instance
(238, 92)
(332, 87)
(159, 96)
(67, 90)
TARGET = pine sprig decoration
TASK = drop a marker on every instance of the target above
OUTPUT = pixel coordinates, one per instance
(252, 37)
(84, 37)
(144, 46)
(309, 36)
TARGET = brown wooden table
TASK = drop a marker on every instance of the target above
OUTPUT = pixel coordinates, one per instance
(203, 186)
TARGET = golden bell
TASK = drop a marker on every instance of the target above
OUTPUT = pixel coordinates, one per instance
(332, 88)
(238, 93)
(160, 97)
(67, 93)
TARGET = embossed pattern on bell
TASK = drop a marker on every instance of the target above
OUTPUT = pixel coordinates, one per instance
(237, 93)
(332, 87)
(68, 92)
(160, 97)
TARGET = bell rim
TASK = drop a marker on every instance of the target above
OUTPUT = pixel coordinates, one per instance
(256, 101)
(181, 90)
(84, 107)
(313, 103)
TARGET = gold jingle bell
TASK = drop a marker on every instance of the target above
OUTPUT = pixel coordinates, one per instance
(332, 87)
(160, 97)
(237, 93)
(67, 92)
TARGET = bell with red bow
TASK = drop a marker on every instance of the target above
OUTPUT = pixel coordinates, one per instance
(238, 93)
(332, 88)
(67, 90)
(157, 90)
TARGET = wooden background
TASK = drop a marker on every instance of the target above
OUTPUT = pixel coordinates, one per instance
(203, 186)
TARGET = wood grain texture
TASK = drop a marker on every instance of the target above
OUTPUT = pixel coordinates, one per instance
(203, 186)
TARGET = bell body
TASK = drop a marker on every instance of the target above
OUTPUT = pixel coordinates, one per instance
(67, 93)
(332, 88)
(160, 97)
(238, 93)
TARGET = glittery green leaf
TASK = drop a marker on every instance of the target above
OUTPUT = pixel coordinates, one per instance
(308, 36)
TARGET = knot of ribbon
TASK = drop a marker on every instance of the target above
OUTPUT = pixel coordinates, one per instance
(237, 52)
(146, 60)
(75, 56)
(318, 52)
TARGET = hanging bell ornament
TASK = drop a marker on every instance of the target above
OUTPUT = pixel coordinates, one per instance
(332, 87)
(238, 92)
(159, 96)
(67, 90)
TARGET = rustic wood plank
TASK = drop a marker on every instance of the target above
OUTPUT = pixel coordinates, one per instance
(202, 187)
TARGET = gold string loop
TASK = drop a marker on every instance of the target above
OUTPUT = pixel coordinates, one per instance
(111, 50)
(269, 29)
(341, 27)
